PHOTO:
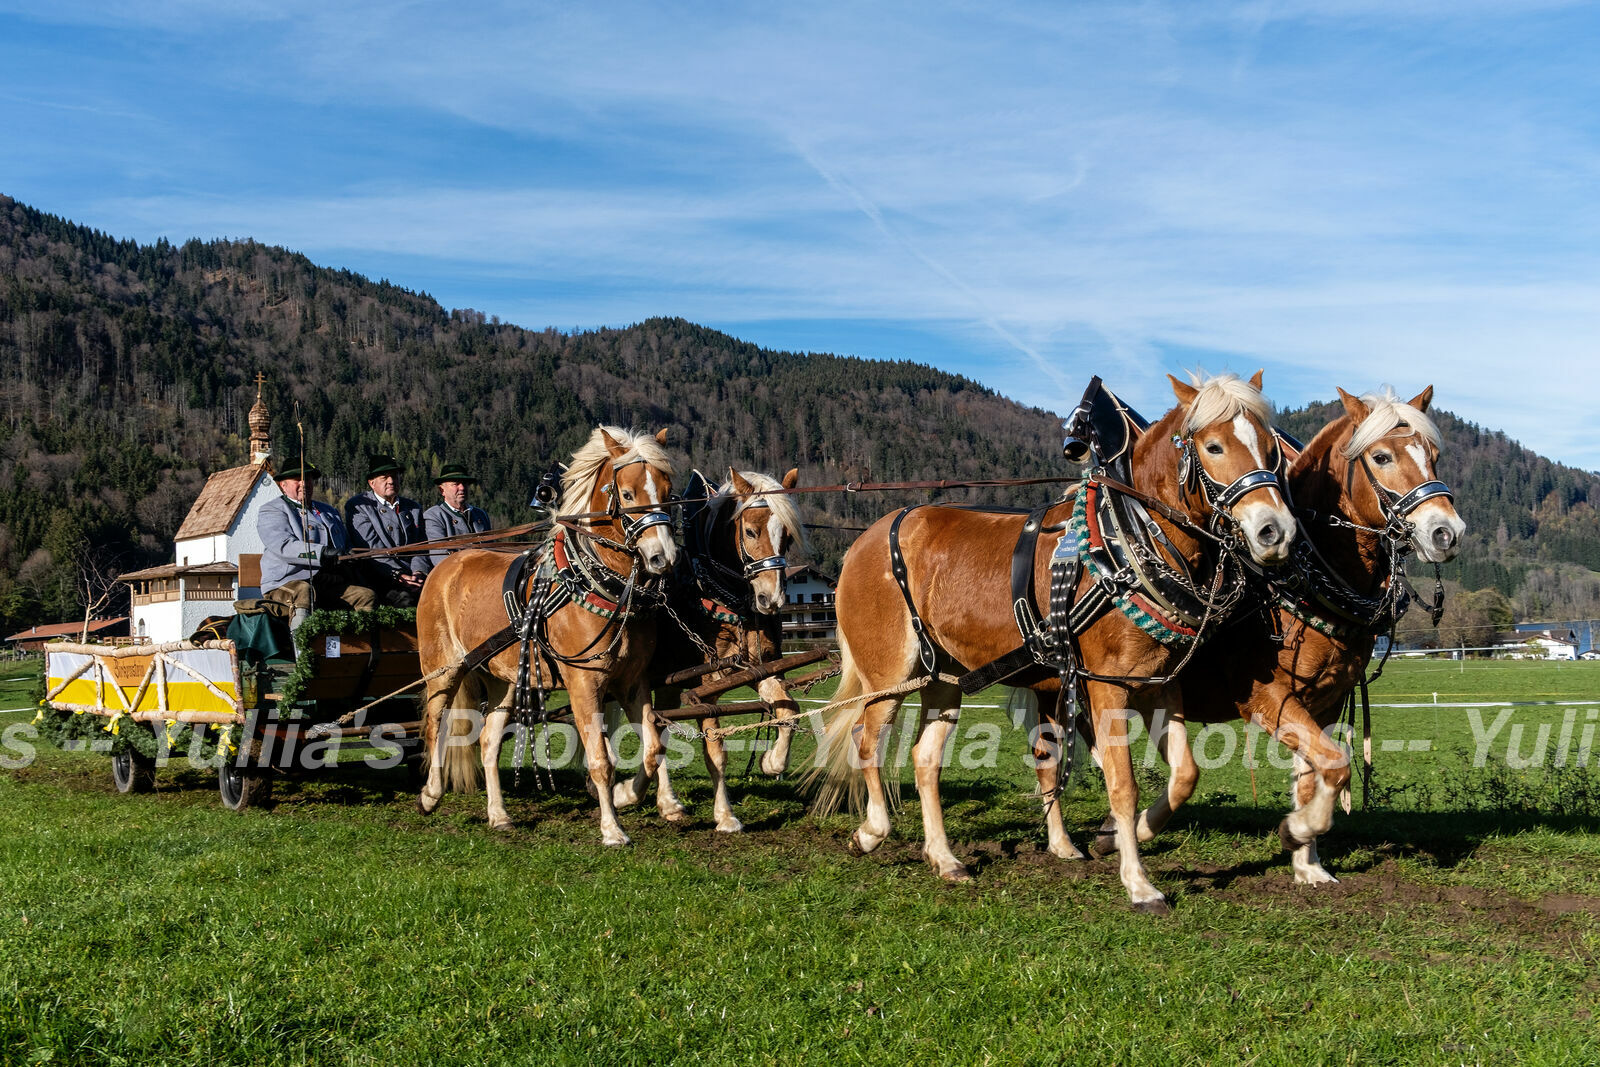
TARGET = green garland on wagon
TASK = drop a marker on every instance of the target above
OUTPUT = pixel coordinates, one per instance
(321, 624)
(77, 730)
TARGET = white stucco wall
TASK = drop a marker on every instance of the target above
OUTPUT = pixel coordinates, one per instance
(159, 622)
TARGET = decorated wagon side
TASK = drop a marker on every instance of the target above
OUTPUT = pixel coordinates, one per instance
(241, 703)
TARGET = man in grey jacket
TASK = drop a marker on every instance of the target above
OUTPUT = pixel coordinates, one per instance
(452, 516)
(301, 541)
(382, 518)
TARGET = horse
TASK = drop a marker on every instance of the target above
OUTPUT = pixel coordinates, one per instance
(726, 600)
(587, 630)
(922, 591)
(1367, 494)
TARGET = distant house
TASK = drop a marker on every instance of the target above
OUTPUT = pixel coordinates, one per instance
(170, 601)
(1593, 653)
(808, 614)
(1536, 644)
(33, 638)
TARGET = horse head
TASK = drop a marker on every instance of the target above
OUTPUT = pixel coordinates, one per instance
(1229, 462)
(627, 478)
(762, 530)
(1395, 446)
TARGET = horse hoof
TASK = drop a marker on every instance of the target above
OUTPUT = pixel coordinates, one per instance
(617, 840)
(501, 825)
(732, 826)
(1067, 852)
(859, 845)
(1315, 876)
(677, 816)
(956, 875)
(1104, 845)
(426, 806)
(1158, 906)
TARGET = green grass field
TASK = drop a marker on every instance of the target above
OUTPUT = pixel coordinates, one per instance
(340, 926)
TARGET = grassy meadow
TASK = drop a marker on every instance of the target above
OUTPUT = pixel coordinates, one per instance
(340, 926)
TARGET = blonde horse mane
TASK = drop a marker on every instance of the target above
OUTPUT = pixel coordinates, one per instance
(1386, 413)
(577, 485)
(1221, 398)
(781, 505)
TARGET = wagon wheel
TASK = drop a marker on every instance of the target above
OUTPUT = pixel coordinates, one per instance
(243, 787)
(132, 771)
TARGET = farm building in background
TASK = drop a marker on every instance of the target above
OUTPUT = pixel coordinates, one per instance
(1536, 644)
(169, 602)
(33, 638)
(808, 615)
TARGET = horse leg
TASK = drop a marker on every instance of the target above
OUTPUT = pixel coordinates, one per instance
(652, 757)
(440, 693)
(587, 697)
(490, 741)
(1046, 763)
(717, 767)
(1110, 714)
(626, 794)
(1183, 774)
(941, 705)
(776, 759)
(1316, 789)
(876, 718)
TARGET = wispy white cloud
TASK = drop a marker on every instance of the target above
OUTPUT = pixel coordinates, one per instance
(1345, 191)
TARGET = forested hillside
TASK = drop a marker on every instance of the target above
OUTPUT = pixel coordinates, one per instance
(126, 372)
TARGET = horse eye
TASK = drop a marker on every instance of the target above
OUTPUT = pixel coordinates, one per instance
(1382, 459)
(627, 494)
(1214, 448)
(750, 532)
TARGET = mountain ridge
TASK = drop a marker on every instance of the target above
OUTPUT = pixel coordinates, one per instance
(127, 370)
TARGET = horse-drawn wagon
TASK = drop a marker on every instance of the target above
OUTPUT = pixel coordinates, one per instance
(240, 703)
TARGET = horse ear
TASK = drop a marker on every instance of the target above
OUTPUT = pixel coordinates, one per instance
(738, 482)
(1255, 379)
(661, 436)
(791, 479)
(1423, 399)
(1183, 391)
(1353, 407)
(612, 445)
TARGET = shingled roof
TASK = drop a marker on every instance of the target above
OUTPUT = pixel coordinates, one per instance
(219, 502)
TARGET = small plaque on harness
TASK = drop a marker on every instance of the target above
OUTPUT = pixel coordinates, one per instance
(330, 647)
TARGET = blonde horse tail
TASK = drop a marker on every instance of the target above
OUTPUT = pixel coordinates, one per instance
(836, 775)
(463, 768)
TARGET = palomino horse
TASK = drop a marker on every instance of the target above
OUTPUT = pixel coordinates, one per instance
(1367, 495)
(956, 565)
(589, 635)
(727, 607)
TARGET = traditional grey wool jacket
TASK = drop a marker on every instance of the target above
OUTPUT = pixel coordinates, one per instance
(442, 520)
(294, 540)
(374, 524)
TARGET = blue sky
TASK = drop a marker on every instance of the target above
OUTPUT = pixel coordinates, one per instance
(1344, 192)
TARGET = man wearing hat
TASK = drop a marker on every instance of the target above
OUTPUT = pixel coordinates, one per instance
(301, 540)
(452, 516)
(382, 518)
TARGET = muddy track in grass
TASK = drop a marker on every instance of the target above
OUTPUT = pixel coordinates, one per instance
(1554, 924)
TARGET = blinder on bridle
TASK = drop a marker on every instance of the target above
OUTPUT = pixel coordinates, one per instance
(632, 528)
(1192, 478)
(1397, 508)
(753, 567)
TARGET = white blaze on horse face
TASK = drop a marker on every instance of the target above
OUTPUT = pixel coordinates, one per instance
(1263, 515)
(767, 586)
(657, 548)
(1437, 527)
